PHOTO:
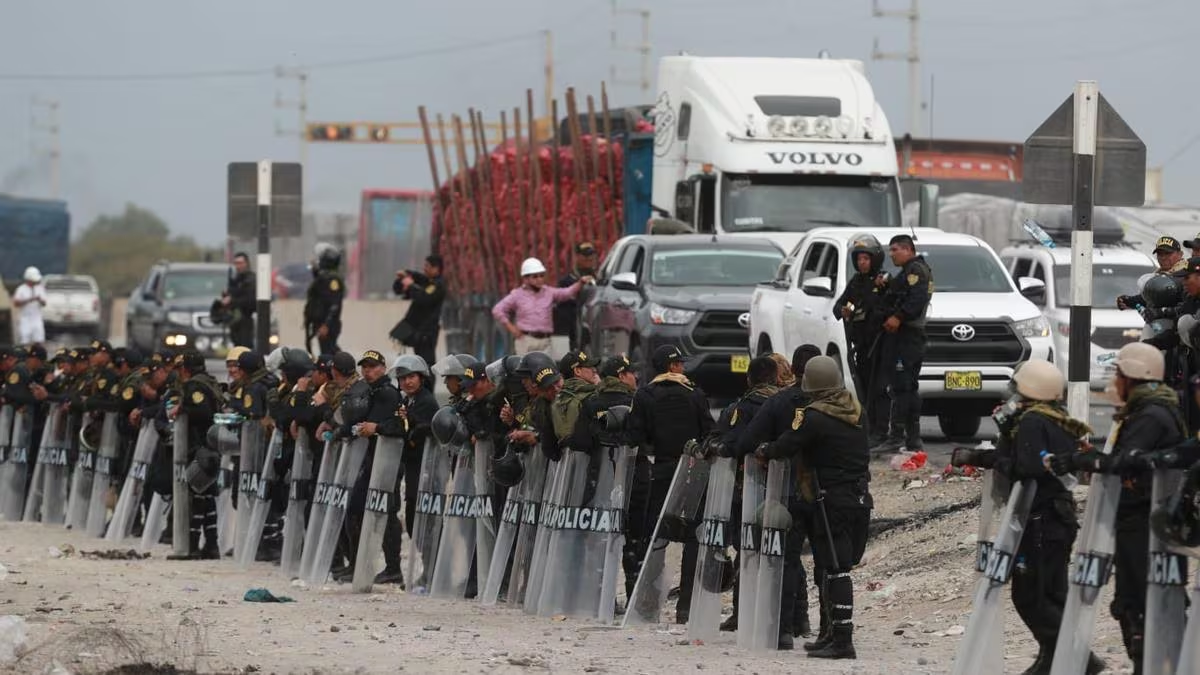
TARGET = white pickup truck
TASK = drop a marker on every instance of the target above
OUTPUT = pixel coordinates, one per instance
(979, 325)
(72, 306)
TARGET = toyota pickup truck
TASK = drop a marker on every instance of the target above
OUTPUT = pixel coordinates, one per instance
(980, 322)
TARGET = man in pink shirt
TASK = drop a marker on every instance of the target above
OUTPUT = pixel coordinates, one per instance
(527, 311)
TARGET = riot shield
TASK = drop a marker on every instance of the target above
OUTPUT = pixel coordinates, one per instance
(156, 522)
(181, 491)
(617, 499)
(774, 521)
(13, 495)
(299, 492)
(47, 490)
(427, 520)
(226, 514)
(456, 548)
(681, 504)
(262, 501)
(6, 427)
(532, 486)
(131, 491)
(80, 495)
(580, 529)
(714, 562)
(506, 536)
(1166, 589)
(338, 500)
(31, 511)
(380, 506)
(103, 477)
(754, 491)
(553, 493)
(1092, 567)
(1189, 655)
(992, 503)
(485, 521)
(320, 506)
(987, 611)
(250, 461)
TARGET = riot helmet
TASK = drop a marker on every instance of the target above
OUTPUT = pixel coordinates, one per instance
(1162, 291)
(1039, 380)
(327, 255)
(866, 243)
(407, 364)
(507, 471)
(448, 428)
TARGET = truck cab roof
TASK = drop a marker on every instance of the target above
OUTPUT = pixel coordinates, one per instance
(1061, 255)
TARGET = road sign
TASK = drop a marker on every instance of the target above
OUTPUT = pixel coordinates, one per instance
(285, 202)
(1120, 159)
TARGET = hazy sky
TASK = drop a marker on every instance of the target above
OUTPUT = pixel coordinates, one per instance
(999, 68)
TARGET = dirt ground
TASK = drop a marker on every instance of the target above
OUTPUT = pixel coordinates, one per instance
(87, 615)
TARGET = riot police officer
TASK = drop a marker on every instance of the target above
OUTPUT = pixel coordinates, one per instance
(426, 291)
(858, 308)
(238, 302)
(903, 343)
(323, 306)
(199, 397)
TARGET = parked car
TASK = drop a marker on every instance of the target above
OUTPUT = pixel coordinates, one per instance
(291, 280)
(170, 308)
(980, 323)
(72, 306)
(692, 291)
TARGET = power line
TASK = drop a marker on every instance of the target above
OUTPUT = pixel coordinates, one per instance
(260, 72)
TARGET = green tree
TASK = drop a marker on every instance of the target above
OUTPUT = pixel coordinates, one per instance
(118, 249)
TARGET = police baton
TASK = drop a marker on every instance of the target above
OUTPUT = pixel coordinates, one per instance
(820, 501)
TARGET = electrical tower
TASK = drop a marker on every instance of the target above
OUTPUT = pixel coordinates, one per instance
(913, 56)
(646, 80)
(39, 109)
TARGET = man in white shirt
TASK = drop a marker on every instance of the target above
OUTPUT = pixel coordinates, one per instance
(29, 299)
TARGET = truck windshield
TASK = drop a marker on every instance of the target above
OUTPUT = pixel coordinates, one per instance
(961, 269)
(195, 284)
(1108, 281)
(796, 203)
(712, 266)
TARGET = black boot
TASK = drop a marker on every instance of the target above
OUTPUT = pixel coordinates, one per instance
(841, 646)
(824, 636)
(1041, 664)
(891, 446)
(802, 627)
(1095, 664)
(730, 624)
(786, 643)
(390, 575)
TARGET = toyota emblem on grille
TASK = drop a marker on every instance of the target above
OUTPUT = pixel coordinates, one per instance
(744, 320)
(963, 332)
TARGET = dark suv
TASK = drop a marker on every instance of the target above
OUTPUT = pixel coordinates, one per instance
(688, 290)
(170, 308)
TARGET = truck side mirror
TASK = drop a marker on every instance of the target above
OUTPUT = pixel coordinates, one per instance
(929, 206)
(625, 281)
(821, 287)
(685, 204)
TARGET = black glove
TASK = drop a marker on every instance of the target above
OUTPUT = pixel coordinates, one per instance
(1126, 300)
(1140, 460)
(1091, 460)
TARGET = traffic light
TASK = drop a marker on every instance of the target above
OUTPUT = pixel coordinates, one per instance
(379, 134)
(331, 132)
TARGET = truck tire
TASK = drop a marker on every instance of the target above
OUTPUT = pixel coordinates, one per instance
(764, 346)
(959, 427)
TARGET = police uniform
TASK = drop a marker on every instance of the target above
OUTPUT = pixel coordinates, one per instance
(566, 313)
(200, 399)
(903, 352)
(242, 305)
(323, 308)
(863, 297)
(426, 296)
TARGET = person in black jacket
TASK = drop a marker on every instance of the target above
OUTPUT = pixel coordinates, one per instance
(323, 306)
(826, 438)
(566, 313)
(240, 301)
(1150, 422)
(426, 291)
(25, 389)
(858, 308)
(666, 413)
(200, 398)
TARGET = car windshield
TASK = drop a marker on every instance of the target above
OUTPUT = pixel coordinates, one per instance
(1108, 281)
(712, 266)
(797, 203)
(195, 284)
(961, 269)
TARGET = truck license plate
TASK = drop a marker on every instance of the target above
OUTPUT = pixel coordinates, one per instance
(739, 363)
(964, 380)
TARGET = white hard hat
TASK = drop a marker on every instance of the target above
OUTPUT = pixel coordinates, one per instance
(32, 275)
(1140, 361)
(532, 266)
(1039, 380)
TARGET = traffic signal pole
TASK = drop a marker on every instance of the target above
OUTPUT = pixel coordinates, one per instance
(263, 261)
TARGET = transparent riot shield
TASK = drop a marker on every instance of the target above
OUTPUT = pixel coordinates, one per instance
(6, 423)
(553, 494)
(681, 505)
(250, 461)
(13, 495)
(33, 496)
(380, 506)
(485, 518)
(987, 610)
(1189, 655)
(226, 514)
(617, 499)
(992, 503)
(299, 492)
(1166, 590)
(45, 501)
(338, 496)
(1091, 569)
(103, 477)
(774, 521)
(320, 506)
(532, 486)
(79, 498)
(506, 536)
(582, 526)
(262, 501)
(754, 491)
(456, 548)
(131, 491)
(181, 491)
(715, 561)
(427, 521)
(156, 522)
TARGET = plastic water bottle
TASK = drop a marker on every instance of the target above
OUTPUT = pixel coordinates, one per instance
(1038, 233)
(1069, 480)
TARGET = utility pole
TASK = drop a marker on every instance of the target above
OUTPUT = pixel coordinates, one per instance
(38, 106)
(549, 69)
(645, 81)
(300, 105)
(913, 56)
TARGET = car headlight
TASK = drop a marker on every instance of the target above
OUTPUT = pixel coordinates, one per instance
(181, 318)
(1038, 326)
(670, 316)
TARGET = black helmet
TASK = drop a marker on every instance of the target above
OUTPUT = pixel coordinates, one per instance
(1178, 521)
(223, 439)
(721, 577)
(407, 364)
(89, 434)
(448, 428)
(296, 363)
(507, 471)
(615, 417)
(539, 367)
(1162, 291)
(865, 243)
(328, 256)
